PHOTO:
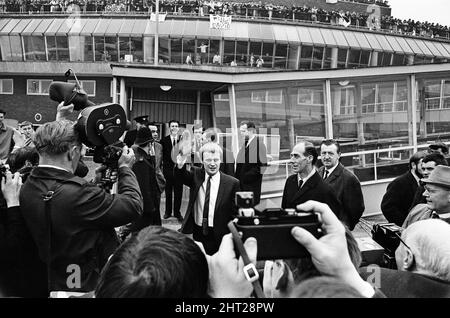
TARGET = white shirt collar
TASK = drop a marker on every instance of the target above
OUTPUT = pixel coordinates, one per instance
(54, 167)
(214, 177)
(250, 140)
(330, 171)
(313, 171)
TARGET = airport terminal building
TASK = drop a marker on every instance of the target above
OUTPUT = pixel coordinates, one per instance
(382, 95)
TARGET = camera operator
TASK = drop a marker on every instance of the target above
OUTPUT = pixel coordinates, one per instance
(423, 262)
(72, 221)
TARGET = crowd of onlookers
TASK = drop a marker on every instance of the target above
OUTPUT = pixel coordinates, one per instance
(249, 9)
(61, 234)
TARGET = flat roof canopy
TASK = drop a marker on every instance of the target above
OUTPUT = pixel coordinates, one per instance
(316, 35)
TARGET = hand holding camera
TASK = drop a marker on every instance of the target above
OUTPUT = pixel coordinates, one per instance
(11, 185)
(127, 158)
(272, 228)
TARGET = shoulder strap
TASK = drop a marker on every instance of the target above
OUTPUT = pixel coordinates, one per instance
(48, 218)
(250, 271)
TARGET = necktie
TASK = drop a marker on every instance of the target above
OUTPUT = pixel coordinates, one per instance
(434, 215)
(325, 174)
(152, 150)
(300, 182)
(246, 142)
(206, 207)
(173, 142)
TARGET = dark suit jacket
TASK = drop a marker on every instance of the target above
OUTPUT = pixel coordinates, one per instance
(398, 198)
(348, 191)
(402, 284)
(227, 165)
(250, 161)
(130, 137)
(314, 189)
(168, 161)
(83, 217)
(225, 208)
(145, 171)
(418, 197)
(159, 166)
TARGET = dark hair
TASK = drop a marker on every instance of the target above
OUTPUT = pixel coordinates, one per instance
(2, 112)
(415, 158)
(324, 287)
(174, 121)
(436, 157)
(329, 142)
(19, 158)
(249, 124)
(155, 263)
(310, 150)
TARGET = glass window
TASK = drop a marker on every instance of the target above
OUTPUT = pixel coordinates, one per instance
(149, 49)
(62, 47)
(163, 51)
(99, 48)
(365, 59)
(342, 58)
(401, 97)
(255, 49)
(306, 57)
(327, 58)
(229, 48)
(38, 86)
(87, 85)
(176, 51)
(384, 59)
(51, 48)
(317, 58)
(111, 53)
(16, 48)
(281, 54)
(267, 54)
(34, 48)
(353, 58)
(241, 53)
(292, 56)
(369, 127)
(398, 60)
(88, 49)
(136, 49)
(189, 47)
(6, 86)
(432, 94)
(124, 49)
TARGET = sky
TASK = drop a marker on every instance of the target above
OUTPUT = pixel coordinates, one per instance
(437, 11)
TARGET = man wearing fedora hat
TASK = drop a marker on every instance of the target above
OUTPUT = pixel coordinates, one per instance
(437, 194)
(145, 170)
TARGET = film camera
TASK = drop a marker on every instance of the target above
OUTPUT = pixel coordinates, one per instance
(99, 126)
(272, 228)
(388, 236)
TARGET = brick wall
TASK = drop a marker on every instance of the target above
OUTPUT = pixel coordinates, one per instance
(22, 107)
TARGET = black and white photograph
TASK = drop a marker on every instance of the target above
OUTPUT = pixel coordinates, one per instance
(224, 156)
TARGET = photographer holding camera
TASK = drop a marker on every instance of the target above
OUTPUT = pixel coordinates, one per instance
(72, 221)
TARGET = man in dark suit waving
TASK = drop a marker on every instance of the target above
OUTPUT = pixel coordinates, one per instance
(168, 143)
(306, 184)
(250, 160)
(211, 199)
(344, 183)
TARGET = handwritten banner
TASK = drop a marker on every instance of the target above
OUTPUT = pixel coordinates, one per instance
(219, 22)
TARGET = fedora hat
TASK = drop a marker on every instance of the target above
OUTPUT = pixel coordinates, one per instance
(440, 176)
(141, 119)
(143, 136)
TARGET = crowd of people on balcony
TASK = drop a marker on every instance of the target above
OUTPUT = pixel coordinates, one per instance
(251, 9)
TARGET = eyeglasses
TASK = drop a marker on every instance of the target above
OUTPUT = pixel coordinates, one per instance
(403, 242)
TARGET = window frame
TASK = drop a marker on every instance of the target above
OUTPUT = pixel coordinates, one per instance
(2, 92)
(83, 81)
(40, 80)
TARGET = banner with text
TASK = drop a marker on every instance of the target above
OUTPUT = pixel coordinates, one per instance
(219, 22)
